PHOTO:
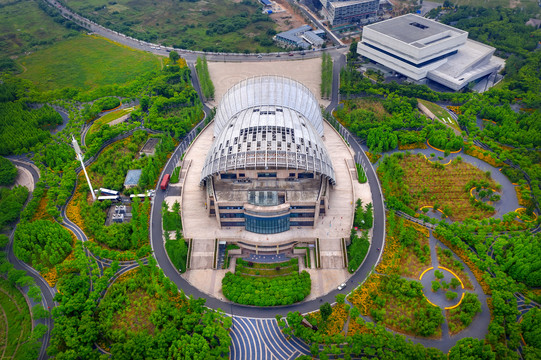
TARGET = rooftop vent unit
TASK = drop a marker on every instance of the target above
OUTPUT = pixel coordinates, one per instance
(420, 26)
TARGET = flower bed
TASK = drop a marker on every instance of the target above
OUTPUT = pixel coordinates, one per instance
(481, 154)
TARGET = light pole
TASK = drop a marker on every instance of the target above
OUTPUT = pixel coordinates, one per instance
(79, 155)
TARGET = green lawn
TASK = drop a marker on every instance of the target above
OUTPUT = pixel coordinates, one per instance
(107, 118)
(86, 62)
(15, 311)
(442, 115)
(25, 27)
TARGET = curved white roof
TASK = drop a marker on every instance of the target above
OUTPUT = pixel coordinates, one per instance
(268, 137)
(269, 90)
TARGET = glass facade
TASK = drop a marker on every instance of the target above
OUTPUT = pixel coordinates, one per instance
(264, 198)
(272, 225)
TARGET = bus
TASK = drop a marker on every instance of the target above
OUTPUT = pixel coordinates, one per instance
(112, 198)
(165, 181)
(108, 192)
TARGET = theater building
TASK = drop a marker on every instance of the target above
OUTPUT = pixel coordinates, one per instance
(267, 170)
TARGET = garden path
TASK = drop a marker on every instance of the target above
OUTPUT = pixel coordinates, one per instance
(479, 326)
(508, 201)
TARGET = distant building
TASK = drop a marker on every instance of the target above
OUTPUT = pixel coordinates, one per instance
(536, 23)
(132, 178)
(303, 37)
(421, 49)
(266, 4)
(340, 12)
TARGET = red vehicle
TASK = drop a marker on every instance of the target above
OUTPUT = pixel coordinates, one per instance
(165, 181)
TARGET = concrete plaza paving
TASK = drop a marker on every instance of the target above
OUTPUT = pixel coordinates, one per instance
(330, 228)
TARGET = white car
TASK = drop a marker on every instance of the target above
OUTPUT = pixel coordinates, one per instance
(342, 286)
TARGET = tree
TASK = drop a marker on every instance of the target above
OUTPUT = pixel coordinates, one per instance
(8, 172)
(326, 311)
(174, 56)
(438, 274)
(471, 349)
(436, 285)
(451, 295)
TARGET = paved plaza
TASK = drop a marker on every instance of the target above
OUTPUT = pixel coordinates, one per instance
(330, 228)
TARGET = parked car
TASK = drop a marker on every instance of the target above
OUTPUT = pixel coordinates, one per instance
(290, 54)
(342, 286)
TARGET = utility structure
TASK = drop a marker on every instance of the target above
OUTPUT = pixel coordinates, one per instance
(79, 154)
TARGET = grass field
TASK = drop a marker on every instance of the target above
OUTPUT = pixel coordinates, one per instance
(86, 62)
(442, 115)
(25, 27)
(15, 323)
(109, 117)
(184, 23)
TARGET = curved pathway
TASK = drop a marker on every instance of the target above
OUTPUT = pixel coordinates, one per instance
(47, 292)
(508, 201)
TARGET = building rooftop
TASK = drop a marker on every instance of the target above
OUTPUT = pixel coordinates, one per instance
(339, 4)
(294, 36)
(411, 28)
(132, 177)
(300, 190)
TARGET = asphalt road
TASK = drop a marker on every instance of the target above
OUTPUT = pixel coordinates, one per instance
(47, 292)
(373, 256)
(189, 55)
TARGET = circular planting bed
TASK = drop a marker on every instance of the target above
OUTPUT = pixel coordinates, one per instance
(442, 287)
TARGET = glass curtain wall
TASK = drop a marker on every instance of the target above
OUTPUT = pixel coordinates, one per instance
(272, 225)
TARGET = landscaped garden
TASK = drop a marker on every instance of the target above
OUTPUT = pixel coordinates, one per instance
(447, 260)
(18, 339)
(143, 313)
(109, 171)
(406, 248)
(266, 284)
(410, 182)
(462, 316)
(110, 117)
(398, 304)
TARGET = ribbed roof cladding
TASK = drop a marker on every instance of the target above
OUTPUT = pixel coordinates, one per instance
(268, 122)
(268, 137)
(269, 90)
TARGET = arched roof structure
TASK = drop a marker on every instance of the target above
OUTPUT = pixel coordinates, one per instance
(268, 90)
(281, 129)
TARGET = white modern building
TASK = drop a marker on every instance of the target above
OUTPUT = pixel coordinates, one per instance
(340, 12)
(267, 169)
(421, 48)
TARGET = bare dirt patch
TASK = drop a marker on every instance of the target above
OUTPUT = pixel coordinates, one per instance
(286, 17)
(225, 75)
